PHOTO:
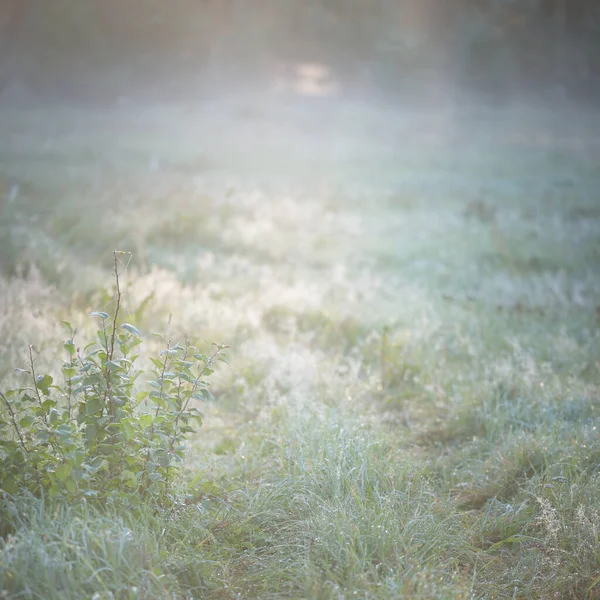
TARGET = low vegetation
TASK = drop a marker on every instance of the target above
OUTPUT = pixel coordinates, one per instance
(412, 404)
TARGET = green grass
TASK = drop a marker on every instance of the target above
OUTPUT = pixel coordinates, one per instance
(412, 410)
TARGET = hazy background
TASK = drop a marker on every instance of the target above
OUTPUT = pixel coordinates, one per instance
(390, 211)
(495, 51)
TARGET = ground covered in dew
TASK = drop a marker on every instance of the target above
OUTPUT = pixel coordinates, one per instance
(412, 302)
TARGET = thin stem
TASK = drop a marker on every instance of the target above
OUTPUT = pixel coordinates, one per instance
(208, 364)
(56, 447)
(110, 348)
(13, 418)
(69, 397)
(117, 308)
(162, 383)
(97, 392)
(179, 380)
(162, 377)
(69, 379)
(35, 387)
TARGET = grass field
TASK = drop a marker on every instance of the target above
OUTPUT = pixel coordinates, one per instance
(412, 302)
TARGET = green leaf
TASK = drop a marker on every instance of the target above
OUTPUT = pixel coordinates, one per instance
(194, 413)
(54, 417)
(69, 373)
(93, 405)
(42, 436)
(96, 464)
(64, 430)
(71, 486)
(129, 479)
(140, 396)
(27, 421)
(157, 363)
(69, 346)
(169, 353)
(164, 460)
(43, 383)
(102, 315)
(9, 485)
(63, 472)
(106, 449)
(204, 394)
(48, 404)
(91, 434)
(145, 421)
(133, 330)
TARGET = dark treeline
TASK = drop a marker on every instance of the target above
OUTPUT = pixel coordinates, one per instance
(106, 48)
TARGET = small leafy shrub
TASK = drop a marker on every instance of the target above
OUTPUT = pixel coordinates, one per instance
(110, 429)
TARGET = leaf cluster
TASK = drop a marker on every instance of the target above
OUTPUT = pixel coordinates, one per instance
(110, 428)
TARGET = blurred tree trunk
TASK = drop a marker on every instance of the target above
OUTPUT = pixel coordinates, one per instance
(569, 37)
(13, 14)
(559, 21)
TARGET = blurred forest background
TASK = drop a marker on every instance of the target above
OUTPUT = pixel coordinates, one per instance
(103, 50)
